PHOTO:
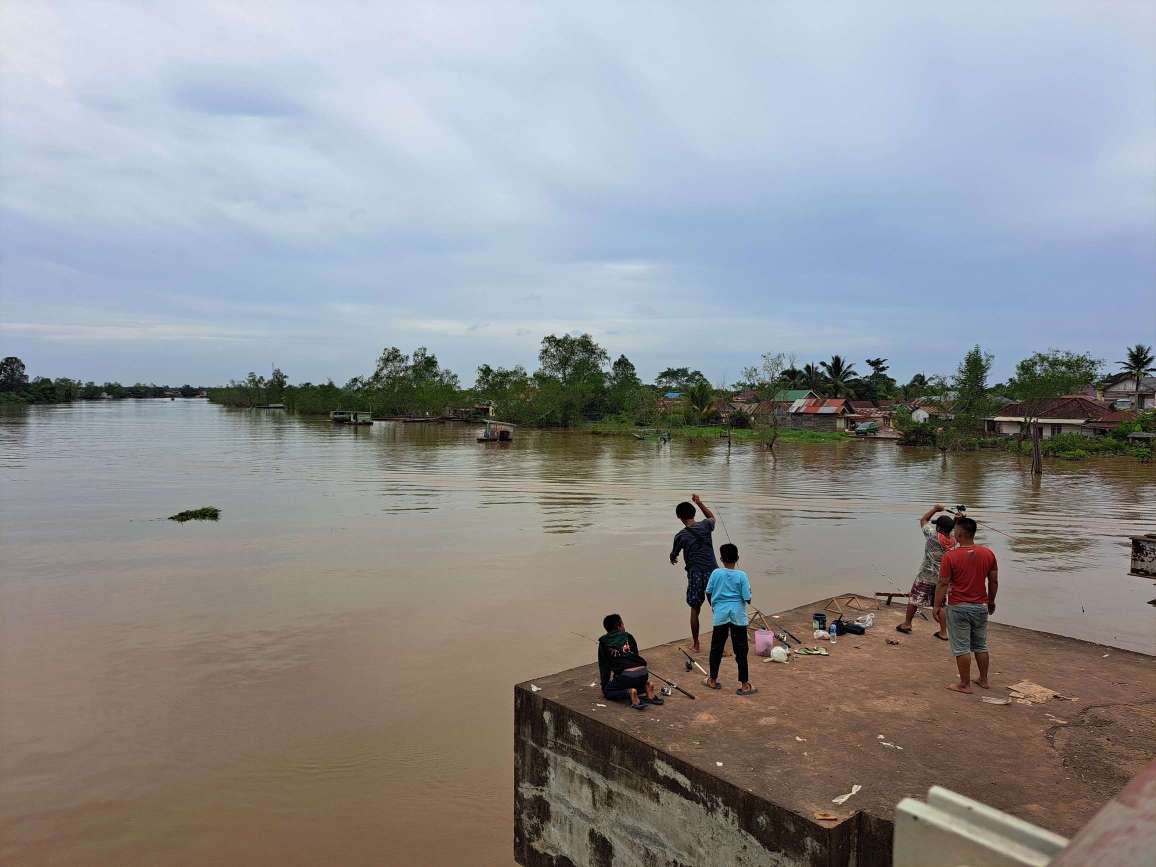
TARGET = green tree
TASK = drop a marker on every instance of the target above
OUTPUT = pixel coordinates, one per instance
(841, 377)
(971, 402)
(679, 379)
(878, 384)
(1140, 363)
(1046, 375)
(276, 386)
(571, 378)
(700, 403)
(624, 394)
(813, 379)
(13, 375)
(915, 387)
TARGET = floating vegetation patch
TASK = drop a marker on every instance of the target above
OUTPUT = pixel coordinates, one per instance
(205, 513)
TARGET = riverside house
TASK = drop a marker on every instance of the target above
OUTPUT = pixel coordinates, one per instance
(1122, 387)
(1072, 413)
(820, 413)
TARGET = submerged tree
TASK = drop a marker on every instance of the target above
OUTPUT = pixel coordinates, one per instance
(1046, 375)
(769, 378)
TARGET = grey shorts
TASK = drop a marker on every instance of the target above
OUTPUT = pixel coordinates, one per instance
(967, 629)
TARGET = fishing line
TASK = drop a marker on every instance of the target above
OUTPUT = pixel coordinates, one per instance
(982, 524)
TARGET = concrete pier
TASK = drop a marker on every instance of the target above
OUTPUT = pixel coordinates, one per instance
(739, 780)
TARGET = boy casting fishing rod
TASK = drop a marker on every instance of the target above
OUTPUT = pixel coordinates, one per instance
(695, 543)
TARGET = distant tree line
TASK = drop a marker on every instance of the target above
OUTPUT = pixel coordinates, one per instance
(17, 388)
(576, 382)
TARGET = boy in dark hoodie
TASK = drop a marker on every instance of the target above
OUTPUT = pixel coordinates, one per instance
(623, 670)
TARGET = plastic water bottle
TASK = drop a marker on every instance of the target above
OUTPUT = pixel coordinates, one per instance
(834, 633)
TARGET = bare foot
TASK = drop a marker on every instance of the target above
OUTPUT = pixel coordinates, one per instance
(696, 649)
(958, 687)
(983, 684)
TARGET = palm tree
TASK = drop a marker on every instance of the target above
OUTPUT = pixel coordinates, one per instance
(700, 403)
(813, 378)
(841, 376)
(1139, 364)
(792, 377)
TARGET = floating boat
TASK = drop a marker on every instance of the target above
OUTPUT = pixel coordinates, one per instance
(497, 432)
(344, 416)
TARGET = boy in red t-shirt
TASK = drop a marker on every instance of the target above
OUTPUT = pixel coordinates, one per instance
(968, 581)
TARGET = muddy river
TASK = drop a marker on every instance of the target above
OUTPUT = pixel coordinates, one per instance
(325, 675)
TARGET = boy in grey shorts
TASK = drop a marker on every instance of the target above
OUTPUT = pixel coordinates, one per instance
(968, 581)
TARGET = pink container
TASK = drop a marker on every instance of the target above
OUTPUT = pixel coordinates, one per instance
(764, 642)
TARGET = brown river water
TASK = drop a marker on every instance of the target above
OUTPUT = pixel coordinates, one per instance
(325, 676)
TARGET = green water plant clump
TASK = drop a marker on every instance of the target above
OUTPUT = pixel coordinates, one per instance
(205, 513)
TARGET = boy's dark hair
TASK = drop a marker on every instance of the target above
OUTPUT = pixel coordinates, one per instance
(968, 524)
(611, 622)
(945, 523)
(729, 553)
(684, 511)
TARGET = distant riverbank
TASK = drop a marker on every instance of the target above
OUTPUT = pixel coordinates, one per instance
(714, 432)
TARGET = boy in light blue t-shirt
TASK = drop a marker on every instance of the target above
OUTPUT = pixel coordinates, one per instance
(729, 591)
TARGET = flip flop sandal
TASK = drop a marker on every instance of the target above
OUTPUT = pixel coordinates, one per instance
(639, 706)
(655, 700)
(900, 628)
(739, 691)
(940, 637)
(706, 683)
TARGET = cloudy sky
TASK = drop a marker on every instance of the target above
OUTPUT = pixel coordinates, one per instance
(192, 190)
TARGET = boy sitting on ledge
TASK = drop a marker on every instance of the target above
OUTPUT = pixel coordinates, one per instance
(623, 670)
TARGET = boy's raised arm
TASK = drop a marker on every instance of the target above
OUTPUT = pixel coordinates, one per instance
(707, 513)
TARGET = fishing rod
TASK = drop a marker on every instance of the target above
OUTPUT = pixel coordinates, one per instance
(649, 670)
(960, 511)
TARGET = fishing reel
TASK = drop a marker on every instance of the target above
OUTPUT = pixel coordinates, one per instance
(667, 691)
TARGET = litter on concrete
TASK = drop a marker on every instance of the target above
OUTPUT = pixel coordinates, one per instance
(824, 816)
(800, 740)
(889, 745)
(842, 799)
(534, 688)
(989, 700)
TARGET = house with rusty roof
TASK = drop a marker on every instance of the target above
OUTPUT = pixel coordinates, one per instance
(1072, 413)
(780, 404)
(820, 413)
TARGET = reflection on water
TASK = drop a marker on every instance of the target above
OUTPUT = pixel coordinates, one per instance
(324, 676)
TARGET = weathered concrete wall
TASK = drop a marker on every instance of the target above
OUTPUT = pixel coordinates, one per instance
(587, 793)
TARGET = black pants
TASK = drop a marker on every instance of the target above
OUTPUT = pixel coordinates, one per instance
(620, 686)
(718, 640)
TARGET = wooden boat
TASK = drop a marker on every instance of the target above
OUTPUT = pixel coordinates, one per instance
(345, 416)
(497, 432)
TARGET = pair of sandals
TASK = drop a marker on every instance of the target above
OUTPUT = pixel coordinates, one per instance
(739, 691)
(645, 700)
(907, 631)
